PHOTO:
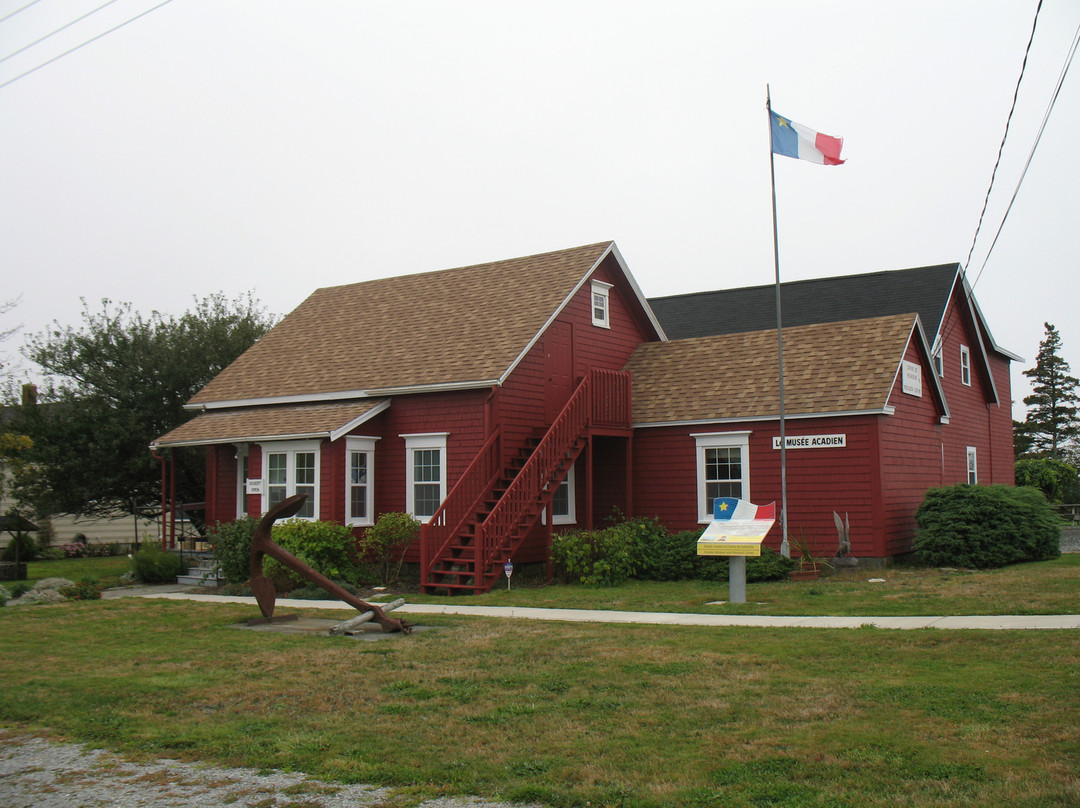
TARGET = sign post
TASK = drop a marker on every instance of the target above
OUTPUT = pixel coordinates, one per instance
(737, 531)
(508, 568)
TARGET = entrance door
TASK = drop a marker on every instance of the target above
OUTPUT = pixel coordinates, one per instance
(558, 368)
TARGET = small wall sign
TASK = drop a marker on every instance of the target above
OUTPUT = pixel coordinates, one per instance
(912, 379)
(811, 441)
(253, 487)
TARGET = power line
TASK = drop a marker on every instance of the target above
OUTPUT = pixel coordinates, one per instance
(16, 11)
(1031, 154)
(84, 44)
(57, 31)
(1005, 135)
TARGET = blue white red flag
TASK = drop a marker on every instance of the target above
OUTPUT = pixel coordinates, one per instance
(791, 139)
(725, 508)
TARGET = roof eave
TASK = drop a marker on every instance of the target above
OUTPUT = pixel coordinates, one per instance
(344, 395)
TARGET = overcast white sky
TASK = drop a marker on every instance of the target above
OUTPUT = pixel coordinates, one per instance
(280, 146)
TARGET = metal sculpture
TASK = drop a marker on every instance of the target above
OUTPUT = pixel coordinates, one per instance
(262, 545)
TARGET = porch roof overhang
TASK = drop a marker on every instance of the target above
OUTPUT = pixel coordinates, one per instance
(276, 422)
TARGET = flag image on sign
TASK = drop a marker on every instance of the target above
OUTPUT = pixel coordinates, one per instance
(738, 528)
(790, 139)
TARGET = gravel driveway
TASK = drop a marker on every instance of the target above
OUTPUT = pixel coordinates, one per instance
(40, 774)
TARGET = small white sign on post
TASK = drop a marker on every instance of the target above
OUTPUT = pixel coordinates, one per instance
(253, 487)
(912, 381)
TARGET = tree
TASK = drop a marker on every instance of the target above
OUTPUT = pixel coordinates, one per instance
(117, 382)
(1052, 420)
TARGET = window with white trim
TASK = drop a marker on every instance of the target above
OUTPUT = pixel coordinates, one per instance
(601, 304)
(564, 501)
(972, 466)
(290, 468)
(425, 467)
(723, 468)
(241, 479)
(359, 481)
(939, 364)
(965, 365)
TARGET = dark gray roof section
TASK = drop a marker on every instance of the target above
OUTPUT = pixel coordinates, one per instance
(924, 291)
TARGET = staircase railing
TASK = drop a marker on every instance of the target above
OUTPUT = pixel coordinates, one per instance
(461, 503)
(602, 398)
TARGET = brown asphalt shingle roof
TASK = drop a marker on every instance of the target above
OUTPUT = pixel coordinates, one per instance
(456, 326)
(272, 422)
(831, 367)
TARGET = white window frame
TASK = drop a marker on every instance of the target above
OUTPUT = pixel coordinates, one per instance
(965, 366)
(363, 446)
(291, 448)
(972, 465)
(939, 365)
(418, 442)
(720, 440)
(600, 301)
(242, 459)
(570, 517)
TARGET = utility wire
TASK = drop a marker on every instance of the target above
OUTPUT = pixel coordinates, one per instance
(1004, 136)
(1031, 155)
(16, 11)
(57, 31)
(87, 42)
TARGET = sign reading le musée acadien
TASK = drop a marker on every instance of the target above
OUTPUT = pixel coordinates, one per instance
(811, 441)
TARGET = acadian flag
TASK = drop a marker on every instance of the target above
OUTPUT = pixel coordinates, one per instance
(791, 139)
(725, 508)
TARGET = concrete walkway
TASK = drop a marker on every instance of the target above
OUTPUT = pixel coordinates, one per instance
(996, 621)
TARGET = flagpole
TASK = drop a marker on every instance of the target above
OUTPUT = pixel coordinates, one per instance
(785, 548)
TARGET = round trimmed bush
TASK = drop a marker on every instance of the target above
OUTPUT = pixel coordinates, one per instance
(985, 526)
(152, 565)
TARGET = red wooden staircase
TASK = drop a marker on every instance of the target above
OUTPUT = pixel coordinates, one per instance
(496, 502)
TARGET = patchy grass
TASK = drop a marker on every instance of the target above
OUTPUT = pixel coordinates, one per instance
(1043, 587)
(107, 569)
(566, 714)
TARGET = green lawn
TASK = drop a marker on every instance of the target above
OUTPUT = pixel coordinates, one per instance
(577, 714)
(1045, 587)
(107, 569)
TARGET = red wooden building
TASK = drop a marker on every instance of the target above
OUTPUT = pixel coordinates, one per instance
(502, 401)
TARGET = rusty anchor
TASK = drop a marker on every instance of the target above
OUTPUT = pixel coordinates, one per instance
(265, 595)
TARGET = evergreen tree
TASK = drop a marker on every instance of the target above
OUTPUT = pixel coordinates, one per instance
(1052, 420)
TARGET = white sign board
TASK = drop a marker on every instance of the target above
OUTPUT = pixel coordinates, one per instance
(912, 381)
(253, 487)
(811, 441)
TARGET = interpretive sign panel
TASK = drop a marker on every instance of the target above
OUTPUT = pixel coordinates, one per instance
(738, 528)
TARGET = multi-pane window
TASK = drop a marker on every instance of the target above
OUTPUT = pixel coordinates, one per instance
(601, 304)
(965, 365)
(427, 481)
(290, 468)
(563, 505)
(426, 473)
(723, 469)
(972, 466)
(359, 481)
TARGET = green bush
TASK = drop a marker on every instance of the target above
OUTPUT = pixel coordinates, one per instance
(152, 565)
(1058, 481)
(24, 544)
(985, 526)
(326, 547)
(607, 557)
(670, 556)
(383, 545)
(85, 589)
(231, 543)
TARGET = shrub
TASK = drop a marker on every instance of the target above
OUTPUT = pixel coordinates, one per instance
(85, 589)
(19, 589)
(5, 595)
(769, 566)
(1055, 479)
(386, 541)
(669, 556)
(231, 543)
(153, 565)
(327, 547)
(607, 557)
(24, 545)
(984, 526)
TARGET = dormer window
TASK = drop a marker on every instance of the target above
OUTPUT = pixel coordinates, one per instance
(601, 304)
